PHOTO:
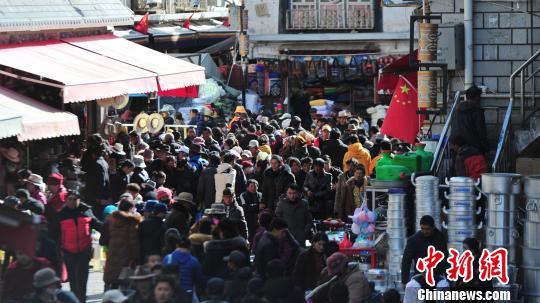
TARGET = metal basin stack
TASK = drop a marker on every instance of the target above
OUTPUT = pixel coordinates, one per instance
(501, 190)
(396, 232)
(531, 240)
(427, 199)
(462, 211)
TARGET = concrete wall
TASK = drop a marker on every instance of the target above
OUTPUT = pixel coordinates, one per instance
(267, 24)
(503, 38)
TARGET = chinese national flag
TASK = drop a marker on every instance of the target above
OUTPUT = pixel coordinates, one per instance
(142, 26)
(187, 23)
(402, 121)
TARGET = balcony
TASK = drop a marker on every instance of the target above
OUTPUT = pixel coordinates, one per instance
(327, 15)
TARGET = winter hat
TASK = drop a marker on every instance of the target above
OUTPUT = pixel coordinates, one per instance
(164, 193)
(246, 164)
(45, 277)
(109, 209)
(11, 201)
(55, 179)
(215, 287)
(161, 208)
(236, 257)
(198, 141)
(150, 206)
(335, 263)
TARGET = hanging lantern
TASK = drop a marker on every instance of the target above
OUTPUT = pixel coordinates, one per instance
(243, 45)
(427, 88)
(427, 42)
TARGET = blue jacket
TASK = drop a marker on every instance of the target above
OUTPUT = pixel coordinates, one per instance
(190, 268)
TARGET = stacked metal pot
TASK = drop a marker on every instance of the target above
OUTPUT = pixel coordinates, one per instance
(427, 199)
(461, 215)
(396, 231)
(501, 190)
(531, 240)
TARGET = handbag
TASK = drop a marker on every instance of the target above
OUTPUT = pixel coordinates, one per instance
(311, 71)
(351, 72)
(336, 73)
(321, 70)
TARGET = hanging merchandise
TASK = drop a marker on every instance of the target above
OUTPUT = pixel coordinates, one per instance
(321, 70)
(260, 79)
(363, 225)
(209, 92)
(336, 72)
(274, 81)
(311, 71)
(351, 71)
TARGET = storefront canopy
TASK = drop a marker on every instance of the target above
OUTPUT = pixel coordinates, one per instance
(100, 67)
(39, 121)
(10, 122)
(83, 75)
(172, 73)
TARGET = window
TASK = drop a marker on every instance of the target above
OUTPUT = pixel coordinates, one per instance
(328, 14)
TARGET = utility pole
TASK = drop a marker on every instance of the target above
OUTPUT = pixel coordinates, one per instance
(243, 49)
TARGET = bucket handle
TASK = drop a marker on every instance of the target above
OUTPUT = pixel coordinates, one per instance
(446, 181)
(443, 224)
(479, 196)
(491, 233)
(477, 182)
(498, 200)
(480, 225)
(445, 210)
(413, 177)
(478, 210)
(515, 234)
(446, 195)
(531, 205)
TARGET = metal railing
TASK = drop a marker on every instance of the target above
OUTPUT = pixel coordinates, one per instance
(505, 146)
(442, 158)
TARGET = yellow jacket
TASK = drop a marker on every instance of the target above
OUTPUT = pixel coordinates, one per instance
(373, 163)
(265, 149)
(357, 151)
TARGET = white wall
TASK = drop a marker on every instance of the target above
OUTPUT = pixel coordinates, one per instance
(396, 19)
(265, 24)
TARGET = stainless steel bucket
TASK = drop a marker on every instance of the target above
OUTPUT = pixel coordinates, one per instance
(531, 276)
(458, 235)
(501, 183)
(461, 220)
(501, 236)
(500, 219)
(498, 202)
(531, 256)
(459, 204)
(531, 297)
(456, 245)
(531, 234)
(532, 186)
(462, 185)
(532, 207)
(395, 223)
(396, 244)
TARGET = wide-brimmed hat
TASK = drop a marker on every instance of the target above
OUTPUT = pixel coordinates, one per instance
(106, 102)
(253, 144)
(118, 148)
(247, 153)
(167, 108)
(37, 180)
(138, 161)
(114, 296)
(198, 141)
(240, 109)
(185, 197)
(11, 153)
(120, 101)
(45, 277)
(195, 149)
(155, 123)
(216, 209)
(140, 123)
(142, 273)
(344, 113)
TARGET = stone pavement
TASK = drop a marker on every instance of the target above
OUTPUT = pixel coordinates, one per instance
(95, 286)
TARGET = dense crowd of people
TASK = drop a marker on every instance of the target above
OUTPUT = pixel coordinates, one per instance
(222, 214)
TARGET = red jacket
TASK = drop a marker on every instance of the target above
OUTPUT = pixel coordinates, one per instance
(74, 228)
(470, 163)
